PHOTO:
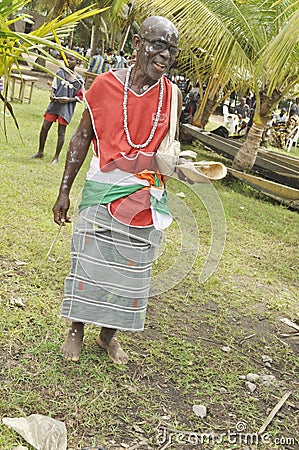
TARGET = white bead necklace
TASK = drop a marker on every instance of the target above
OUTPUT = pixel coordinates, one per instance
(125, 110)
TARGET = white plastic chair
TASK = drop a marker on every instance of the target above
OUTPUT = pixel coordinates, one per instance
(230, 120)
(292, 139)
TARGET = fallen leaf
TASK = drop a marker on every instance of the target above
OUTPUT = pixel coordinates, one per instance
(17, 302)
(200, 410)
(137, 428)
(226, 349)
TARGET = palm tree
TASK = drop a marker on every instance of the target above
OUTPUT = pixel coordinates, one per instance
(113, 25)
(250, 45)
(275, 75)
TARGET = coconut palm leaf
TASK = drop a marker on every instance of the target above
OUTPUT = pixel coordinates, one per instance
(8, 106)
(15, 47)
(8, 7)
(254, 44)
(279, 60)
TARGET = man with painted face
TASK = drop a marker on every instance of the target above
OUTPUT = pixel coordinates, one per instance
(123, 209)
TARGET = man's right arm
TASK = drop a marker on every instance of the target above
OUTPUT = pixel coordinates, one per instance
(76, 155)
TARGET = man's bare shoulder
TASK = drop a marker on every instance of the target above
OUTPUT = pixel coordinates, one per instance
(120, 74)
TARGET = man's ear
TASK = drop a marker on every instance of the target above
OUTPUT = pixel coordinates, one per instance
(137, 42)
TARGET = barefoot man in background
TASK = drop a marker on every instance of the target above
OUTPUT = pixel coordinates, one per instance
(67, 90)
(120, 224)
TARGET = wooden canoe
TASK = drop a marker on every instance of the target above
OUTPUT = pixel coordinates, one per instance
(283, 169)
(280, 192)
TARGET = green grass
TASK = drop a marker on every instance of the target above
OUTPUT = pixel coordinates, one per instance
(178, 360)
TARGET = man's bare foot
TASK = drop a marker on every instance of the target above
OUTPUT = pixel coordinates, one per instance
(114, 350)
(71, 348)
(37, 155)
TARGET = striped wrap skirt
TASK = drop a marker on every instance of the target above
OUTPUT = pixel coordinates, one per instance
(109, 280)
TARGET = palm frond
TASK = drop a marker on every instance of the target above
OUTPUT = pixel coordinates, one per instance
(59, 24)
(16, 46)
(8, 7)
(279, 60)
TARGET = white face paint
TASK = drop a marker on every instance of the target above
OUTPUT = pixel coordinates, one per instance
(152, 61)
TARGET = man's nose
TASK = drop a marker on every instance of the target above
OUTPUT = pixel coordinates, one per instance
(165, 53)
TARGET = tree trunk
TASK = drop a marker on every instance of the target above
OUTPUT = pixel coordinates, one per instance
(208, 104)
(202, 118)
(58, 7)
(41, 62)
(56, 11)
(103, 45)
(246, 156)
(71, 38)
(95, 33)
(125, 36)
(93, 42)
(112, 39)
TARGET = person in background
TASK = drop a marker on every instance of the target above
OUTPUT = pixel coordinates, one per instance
(82, 50)
(133, 58)
(278, 130)
(108, 60)
(96, 62)
(88, 53)
(120, 60)
(243, 112)
(281, 118)
(291, 124)
(190, 108)
(67, 90)
(294, 110)
(76, 48)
